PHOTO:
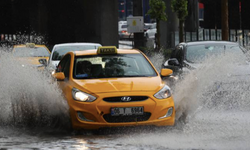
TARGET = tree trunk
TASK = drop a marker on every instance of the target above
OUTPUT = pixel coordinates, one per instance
(181, 31)
(224, 19)
(157, 36)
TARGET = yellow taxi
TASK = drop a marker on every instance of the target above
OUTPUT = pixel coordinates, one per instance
(34, 55)
(112, 87)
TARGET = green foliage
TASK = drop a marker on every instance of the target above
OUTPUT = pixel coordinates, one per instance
(166, 53)
(180, 7)
(157, 10)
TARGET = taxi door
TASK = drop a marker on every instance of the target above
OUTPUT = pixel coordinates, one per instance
(65, 67)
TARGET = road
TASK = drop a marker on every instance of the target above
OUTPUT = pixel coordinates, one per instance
(33, 114)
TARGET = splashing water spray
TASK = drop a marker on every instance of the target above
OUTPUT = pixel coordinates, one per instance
(29, 97)
(212, 109)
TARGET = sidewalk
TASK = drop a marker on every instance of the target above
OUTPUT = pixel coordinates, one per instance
(125, 44)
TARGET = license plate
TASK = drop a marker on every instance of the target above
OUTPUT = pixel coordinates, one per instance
(126, 111)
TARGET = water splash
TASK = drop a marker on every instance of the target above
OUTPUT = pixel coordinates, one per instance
(214, 98)
(29, 97)
(216, 84)
(157, 60)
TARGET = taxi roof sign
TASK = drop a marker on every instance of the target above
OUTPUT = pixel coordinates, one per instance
(30, 45)
(107, 50)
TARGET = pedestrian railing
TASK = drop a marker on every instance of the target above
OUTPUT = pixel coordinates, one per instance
(12, 39)
(235, 35)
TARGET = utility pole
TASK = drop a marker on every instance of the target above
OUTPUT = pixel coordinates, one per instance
(138, 11)
(224, 20)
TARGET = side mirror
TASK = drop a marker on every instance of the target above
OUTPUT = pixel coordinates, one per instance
(43, 61)
(166, 72)
(173, 62)
(59, 76)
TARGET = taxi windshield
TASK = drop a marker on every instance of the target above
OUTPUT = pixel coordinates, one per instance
(62, 50)
(198, 53)
(112, 66)
(30, 52)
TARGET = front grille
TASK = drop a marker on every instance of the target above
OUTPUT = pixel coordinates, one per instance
(131, 118)
(118, 99)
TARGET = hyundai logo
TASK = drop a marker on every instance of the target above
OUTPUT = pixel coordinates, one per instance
(126, 99)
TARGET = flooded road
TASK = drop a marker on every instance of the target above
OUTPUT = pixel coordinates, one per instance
(214, 100)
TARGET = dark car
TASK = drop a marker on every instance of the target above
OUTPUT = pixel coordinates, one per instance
(188, 55)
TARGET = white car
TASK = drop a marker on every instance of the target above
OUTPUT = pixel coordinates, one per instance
(59, 50)
(150, 33)
(123, 32)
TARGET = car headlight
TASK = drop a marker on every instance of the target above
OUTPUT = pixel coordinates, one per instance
(51, 69)
(81, 96)
(165, 92)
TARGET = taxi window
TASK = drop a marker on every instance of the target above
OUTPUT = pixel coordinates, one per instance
(31, 52)
(64, 65)
(112, 66)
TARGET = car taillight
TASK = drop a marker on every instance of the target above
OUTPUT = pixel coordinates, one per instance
(124, 31)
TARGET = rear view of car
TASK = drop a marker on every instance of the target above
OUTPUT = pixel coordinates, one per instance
(150, 32)
(123, 32)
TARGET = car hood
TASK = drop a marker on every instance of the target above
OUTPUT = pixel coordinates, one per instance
(241, 70)
(121, 84)
(238, 69)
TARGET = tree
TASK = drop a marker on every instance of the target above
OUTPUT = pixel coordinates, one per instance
(180, 7)
(157, 12)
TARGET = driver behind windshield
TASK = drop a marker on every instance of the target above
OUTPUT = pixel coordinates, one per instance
(83, 69)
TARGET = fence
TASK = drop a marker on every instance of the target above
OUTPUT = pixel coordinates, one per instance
(12, 39)
(235, 35)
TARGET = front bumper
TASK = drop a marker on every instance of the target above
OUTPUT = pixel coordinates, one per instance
(97, 113)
